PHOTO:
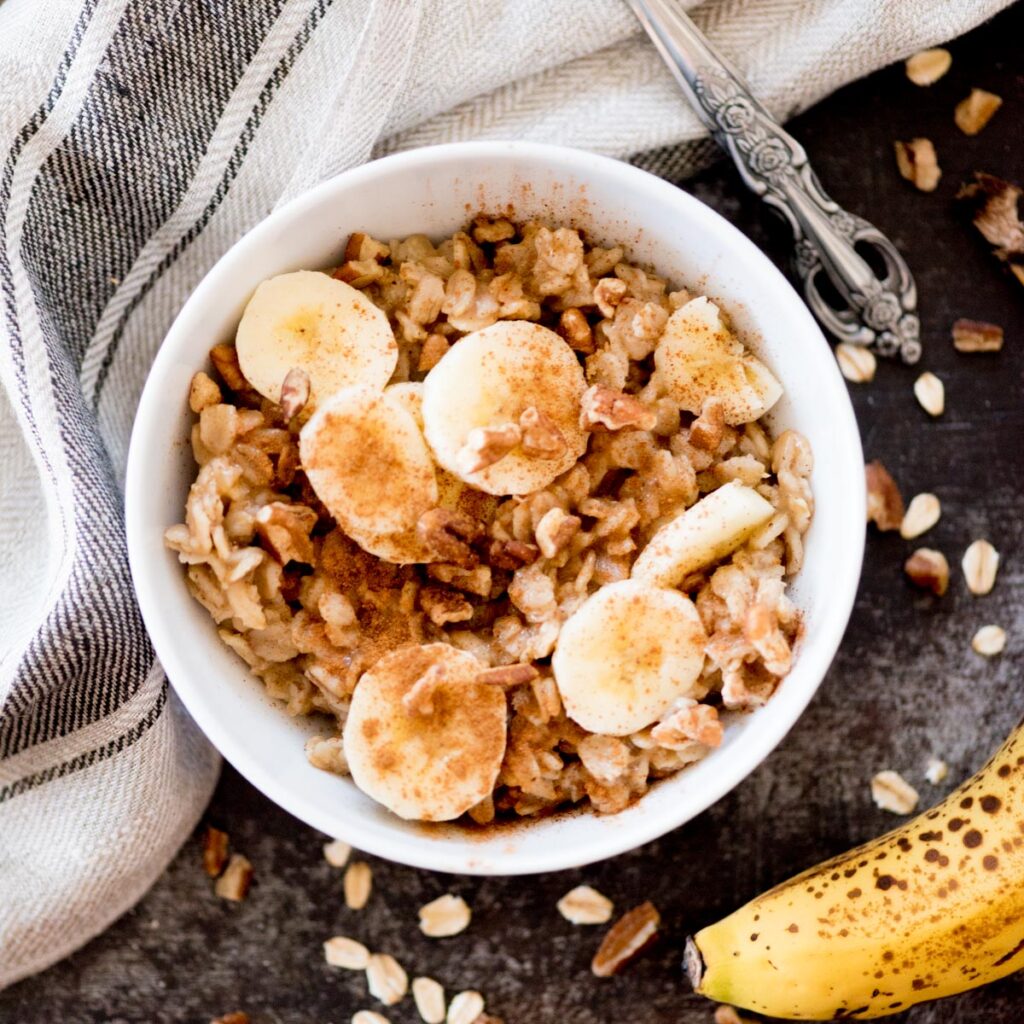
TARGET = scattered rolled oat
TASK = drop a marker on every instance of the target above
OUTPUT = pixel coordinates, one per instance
(980, 564)
(465, 1007)
(936, 770)
(918, 163)
(885, 503)
(989, 641)
(215, 851)
(429, 998)
(928, 569)
(892, 792)
(357, 883)
(977, 336)
(203, 392)
(930, 393)
(337, 853)
(973, 113)
(386, 979)
(234, 883)
(447, 915)
(922, 514)
(626, 939)
(585, 905)
(340, 951)
(369, 1017)
(857, 363)
(928, 66)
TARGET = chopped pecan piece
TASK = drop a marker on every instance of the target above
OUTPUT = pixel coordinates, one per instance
(448, 535)
(977, 336)
(627, 938)
(238, 1017)
(444, 606)
(215, 851)
(511, 554)
(284, 530)
(994, 205)
(918, 163)
(605, 408)
(973, 113)
(294, 393)
(361, 246)
(573, 326)
(928, 569)
(508, 675)
(225, 362)
(541, 438)
(708, 429)
(487, 445)
(885, 503)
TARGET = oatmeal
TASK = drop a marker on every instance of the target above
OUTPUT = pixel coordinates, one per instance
(503, 512)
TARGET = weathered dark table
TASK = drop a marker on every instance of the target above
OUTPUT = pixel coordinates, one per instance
(905, 684)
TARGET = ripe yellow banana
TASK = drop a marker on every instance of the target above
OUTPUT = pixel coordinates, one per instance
(933, 908)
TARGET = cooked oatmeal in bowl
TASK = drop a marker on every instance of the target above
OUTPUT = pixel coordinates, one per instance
(502, 512)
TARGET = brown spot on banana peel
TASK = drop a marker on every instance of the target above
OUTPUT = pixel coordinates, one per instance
(969, 936)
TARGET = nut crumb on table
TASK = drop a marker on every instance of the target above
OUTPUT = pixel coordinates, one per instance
(634, 932)
(928, 569)
(885, 503)
(234, 883)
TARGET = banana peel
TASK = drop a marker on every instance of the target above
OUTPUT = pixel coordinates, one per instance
(932, 908)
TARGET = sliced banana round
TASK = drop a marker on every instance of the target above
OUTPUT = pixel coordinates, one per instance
(367, 461)
(510, 393)
(422, 736)
(325, 327)
(698, 358)
(626, 654)
(705, 532)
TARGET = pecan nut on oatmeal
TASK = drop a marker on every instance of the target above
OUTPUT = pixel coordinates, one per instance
(502, 512)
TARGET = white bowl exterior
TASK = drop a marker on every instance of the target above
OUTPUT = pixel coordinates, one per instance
(434, 191)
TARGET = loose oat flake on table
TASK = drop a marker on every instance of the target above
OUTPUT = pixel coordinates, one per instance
(443, 489)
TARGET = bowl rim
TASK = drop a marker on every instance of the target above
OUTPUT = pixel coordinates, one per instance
(432, 852)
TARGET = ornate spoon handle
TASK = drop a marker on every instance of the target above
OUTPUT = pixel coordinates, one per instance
(874, 310)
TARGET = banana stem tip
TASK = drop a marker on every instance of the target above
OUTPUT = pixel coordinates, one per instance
(693, 962)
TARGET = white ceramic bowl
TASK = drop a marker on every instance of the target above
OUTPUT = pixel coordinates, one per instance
(435, 191)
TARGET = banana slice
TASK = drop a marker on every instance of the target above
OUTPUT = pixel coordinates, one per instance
(481, 389)
(422, 736)
(323, 326)
(368, 463)
(718, 524)
(626, 654)
(698, 358)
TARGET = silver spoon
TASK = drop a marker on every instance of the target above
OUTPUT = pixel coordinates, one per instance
(876, 310)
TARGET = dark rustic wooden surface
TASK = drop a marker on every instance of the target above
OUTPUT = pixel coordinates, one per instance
(905, 684)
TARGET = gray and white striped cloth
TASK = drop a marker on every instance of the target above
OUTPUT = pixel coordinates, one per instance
(138, 140)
